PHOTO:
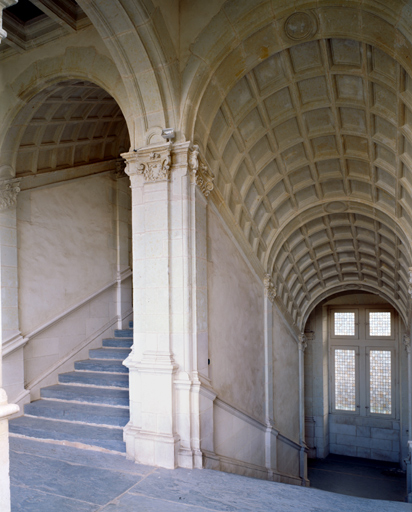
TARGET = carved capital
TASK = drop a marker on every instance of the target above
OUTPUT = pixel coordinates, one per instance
(8, 193)
(157, 166)
(119, 172)
(303, 341)
(270, 288)
(407, 342)
(152, 163)
(200, 174)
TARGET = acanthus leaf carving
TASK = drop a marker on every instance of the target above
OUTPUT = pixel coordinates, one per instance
(157, 167)
(200, 174)
(407, 342)
(302, 341)
(8, 193)
(270, 288)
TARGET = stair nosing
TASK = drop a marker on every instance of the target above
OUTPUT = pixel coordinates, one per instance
(74, 444)
(103, 425)
(87, 385)
(84, 402)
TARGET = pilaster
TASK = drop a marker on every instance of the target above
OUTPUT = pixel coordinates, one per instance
(8, 319)
(122, 218)
(302, 344)
(169, 360)
(271, 433)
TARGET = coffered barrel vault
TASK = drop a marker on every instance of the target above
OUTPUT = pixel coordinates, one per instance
(72, 123)
(312, 152)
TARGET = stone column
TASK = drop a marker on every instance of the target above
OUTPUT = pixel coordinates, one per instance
(3, 5)
(408, 348)
(8, 321)
(122, 214)
(169, 361)
(271, 432)
(302, 344)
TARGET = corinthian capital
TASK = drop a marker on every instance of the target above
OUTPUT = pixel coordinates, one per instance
(270, 289)
(407, 342)
(153, 162)
(200, 174)
(303, 342)
(8, 193)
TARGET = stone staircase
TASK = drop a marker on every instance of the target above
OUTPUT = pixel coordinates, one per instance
(90, 406)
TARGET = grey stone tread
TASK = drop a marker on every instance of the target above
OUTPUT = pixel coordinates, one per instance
(111, 439)
(95, 379)
(86, 413)
(117, 397)
(101, 365)
(109, 353)
(118, 342)
(123, 333)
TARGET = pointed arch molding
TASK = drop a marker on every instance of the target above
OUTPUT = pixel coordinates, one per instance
(83, 63)
(255, 31)
(135, 33)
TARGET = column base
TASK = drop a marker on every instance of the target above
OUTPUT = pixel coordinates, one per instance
(151, 449)
(6, 411)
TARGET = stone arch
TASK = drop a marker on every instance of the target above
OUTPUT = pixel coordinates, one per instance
(140, 44)
(347, 288)
(26, 91)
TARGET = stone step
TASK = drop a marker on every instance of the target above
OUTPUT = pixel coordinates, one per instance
(109, 353)
(101, 396)
(123, 333)
(108, 438)
(101, 365)
(118, 342)
(85, 413)
(95, 379)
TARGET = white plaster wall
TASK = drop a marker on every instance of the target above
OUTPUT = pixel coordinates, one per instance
(66, 247)
(55, 349)
(285, 379)
(238, 438)
(236, 338)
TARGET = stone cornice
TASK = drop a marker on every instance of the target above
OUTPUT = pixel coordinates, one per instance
(8, 193)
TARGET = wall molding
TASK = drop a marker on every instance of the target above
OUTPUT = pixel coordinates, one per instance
(230, 465)
(35, 382)
(256, 423)
(15, 342)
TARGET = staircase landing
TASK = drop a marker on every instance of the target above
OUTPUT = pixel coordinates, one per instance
(50, 478)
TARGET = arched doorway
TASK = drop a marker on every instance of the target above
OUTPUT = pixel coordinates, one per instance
(356, 382)
(68, 264)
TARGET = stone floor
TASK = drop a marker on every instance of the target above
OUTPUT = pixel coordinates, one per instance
(50, 478)
(354, 476)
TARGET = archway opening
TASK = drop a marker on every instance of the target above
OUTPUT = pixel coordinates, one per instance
(356, 395)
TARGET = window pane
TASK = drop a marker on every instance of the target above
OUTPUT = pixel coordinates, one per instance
(345, 384)
(380, 382)
(344, 324)
(380, 324)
